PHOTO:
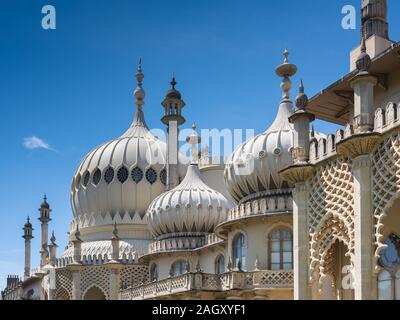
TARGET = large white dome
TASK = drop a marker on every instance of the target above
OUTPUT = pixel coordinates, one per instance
(122, 176)
(253, 167)
(116, 182)
(191, 209)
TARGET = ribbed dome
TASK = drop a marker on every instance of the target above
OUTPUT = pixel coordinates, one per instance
(191, 208)
(254, 165)
(122, 176)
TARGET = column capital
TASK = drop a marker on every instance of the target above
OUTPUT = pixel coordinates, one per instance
(297, 173)
(358, 144)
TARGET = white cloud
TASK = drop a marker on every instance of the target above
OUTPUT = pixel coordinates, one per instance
(36, 143)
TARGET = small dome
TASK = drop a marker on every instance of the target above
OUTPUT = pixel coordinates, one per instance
(191, 208)
(253, 167)
(173, 93)
(45, 204)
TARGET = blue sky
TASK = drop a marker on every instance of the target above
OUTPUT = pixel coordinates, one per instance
(72, 87)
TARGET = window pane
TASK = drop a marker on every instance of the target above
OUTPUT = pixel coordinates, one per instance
(275, 257)
(385, 286)
(287, 257)
(275, 266)
(287, 266)
(287, 245)
(275, 246)
(276, 235)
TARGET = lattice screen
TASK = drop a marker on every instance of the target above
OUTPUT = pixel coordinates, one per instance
(63, 284)
(386, 181)
(134, 275)
(95, 276)
(330, 210)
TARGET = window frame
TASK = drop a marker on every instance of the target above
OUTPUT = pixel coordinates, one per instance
(282, 240)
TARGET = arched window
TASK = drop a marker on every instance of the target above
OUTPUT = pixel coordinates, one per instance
(281, 250)
(178, 267)
(239, 252)
(385, 290)
(220, 264)
(153, 273)
(389, 277)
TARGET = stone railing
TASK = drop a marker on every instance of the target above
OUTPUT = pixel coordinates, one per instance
(183, 243)
(268, 279)
(385, 119)
(270, 204)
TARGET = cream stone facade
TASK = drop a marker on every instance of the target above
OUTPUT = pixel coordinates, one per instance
(291, 214)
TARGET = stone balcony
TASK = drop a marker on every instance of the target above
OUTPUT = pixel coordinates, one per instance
(183, 243)
(256, 280)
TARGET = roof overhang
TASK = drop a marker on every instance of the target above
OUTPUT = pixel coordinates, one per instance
(334, 103)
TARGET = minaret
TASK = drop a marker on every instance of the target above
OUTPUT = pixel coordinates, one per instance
(374, 19)
(194, 140)
(374, 29)
(173, 105)
(44, 219)
(53, 250)
(28, 237)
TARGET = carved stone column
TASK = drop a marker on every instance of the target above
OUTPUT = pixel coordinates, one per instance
(363, 228)
(300, 242)
(76, 280)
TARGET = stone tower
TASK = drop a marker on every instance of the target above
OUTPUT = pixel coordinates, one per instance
(374, 19)
(374, 30)
(173, 105)
(44, 218)
(28, 237)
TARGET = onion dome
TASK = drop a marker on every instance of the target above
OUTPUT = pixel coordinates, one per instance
(253, 167)
(121, 177)
(173, 93)
(191, 209)
(363, 62)
(28, 223)
(45, 204)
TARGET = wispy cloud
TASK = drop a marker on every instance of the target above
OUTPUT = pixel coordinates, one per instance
(36, 143)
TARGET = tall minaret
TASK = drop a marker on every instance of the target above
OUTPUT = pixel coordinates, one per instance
(374, 30)
(28, 237)
(374, 19)
(173, 105)
(44, 219)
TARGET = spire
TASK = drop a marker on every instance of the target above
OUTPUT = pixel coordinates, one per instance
(194, 140)
(115, 231)
(286, 70)
(139, 92)
(364, 60)
(173, 81)
(374, 19)
(76, 236)
(53, 238)
(301, 99)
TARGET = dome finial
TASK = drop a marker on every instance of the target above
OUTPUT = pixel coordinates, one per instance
(173, 81)
(363, 62)
(53, 238)
(139, 92)
(286, 70)
(286, 55)
(115, 231)
(301, 99)
(194, 140)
